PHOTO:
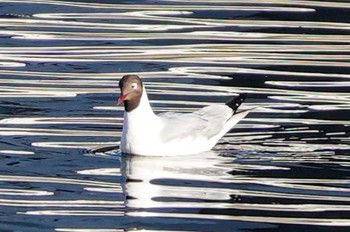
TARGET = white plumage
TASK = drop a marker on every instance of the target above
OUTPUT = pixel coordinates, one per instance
(171, 134)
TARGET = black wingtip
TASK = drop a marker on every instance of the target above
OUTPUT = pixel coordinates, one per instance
(235, 102)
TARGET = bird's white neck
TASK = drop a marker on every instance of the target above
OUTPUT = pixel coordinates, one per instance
(144, 107)
(139, 125)
(143, 113)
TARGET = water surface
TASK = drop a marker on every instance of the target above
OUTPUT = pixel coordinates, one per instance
(283, 168)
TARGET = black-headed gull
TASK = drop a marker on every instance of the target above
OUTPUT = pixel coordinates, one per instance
(171, 134)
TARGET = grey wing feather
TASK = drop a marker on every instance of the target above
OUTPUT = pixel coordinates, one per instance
(206, 122)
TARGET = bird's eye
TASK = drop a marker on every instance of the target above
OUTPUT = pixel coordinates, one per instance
(134, 85)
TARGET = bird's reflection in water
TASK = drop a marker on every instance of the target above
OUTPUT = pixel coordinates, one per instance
(151, 180)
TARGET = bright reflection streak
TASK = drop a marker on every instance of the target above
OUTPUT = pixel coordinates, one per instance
(24, 192)
(14, 152)
(74, 213)
(282, 220)
(101, 171)
(68, 181)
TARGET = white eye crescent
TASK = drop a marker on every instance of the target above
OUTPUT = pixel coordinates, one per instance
(134, 85)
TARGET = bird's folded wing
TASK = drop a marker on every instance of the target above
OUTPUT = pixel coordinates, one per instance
(202, 124)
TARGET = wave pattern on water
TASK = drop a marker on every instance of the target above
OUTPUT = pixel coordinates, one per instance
(286, 164)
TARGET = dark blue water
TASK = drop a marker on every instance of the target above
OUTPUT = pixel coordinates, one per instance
(285, 167)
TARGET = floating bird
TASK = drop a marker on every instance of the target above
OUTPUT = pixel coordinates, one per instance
(171, 134)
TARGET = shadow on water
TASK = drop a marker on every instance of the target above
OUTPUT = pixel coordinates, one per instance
(283, 168)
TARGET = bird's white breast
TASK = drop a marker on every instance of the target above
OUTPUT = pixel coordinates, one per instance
(140, 133)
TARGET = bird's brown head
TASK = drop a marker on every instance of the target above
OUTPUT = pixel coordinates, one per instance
(131, 89)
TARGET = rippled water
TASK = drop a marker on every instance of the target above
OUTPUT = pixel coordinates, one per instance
(283, 168)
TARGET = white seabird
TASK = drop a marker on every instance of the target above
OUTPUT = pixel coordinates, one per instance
(171, 134)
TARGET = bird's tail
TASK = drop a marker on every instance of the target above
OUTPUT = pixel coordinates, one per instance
(235, 102)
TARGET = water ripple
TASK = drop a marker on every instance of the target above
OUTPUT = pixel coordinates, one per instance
(284, 165)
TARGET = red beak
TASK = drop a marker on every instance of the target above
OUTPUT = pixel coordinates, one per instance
(121, 99)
